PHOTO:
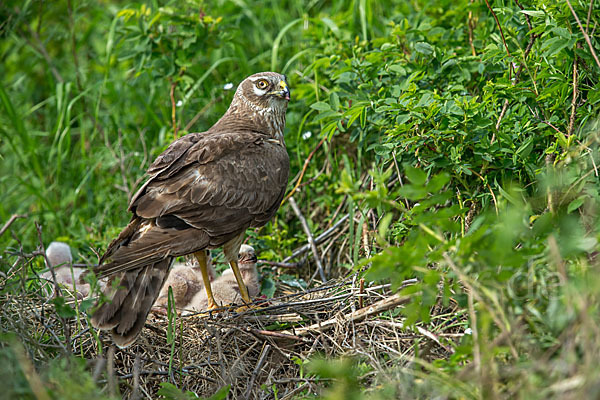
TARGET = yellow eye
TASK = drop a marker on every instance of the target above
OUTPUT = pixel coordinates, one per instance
(262, 84)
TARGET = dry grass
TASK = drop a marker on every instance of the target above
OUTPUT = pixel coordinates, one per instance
(257, 351)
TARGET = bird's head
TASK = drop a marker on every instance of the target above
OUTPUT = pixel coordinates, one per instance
(59, 253)
(247, 255)
(265, 90)
(259, 104)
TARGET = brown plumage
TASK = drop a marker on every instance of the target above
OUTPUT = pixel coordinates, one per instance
(226, 289)
(202, 192)
(185, 280)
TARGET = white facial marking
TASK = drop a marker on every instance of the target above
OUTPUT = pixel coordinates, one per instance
(256, 78)
(269, 113)
(258, 92)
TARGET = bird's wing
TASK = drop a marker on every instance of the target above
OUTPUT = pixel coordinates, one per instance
(202, 191)
(220, 183)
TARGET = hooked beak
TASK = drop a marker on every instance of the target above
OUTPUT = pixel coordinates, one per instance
(248, 258)
(283, 92)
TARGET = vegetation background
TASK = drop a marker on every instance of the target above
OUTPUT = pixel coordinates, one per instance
(461, 137)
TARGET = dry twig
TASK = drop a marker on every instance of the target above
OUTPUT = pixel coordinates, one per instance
(574, 99)
(257, 369)
(8, 223)
(382, 305)
(318, 240)
(311, 240)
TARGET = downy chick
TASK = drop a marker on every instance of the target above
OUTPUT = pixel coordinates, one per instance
(225, 288)
(186, 280)
(60, 258)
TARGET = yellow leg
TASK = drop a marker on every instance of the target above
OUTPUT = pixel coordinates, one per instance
(201, 257)
(241, 284)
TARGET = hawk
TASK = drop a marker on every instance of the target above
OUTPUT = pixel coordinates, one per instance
(201, 193)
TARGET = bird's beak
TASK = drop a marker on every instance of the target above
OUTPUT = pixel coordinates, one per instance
(250, 258)
(283, 92)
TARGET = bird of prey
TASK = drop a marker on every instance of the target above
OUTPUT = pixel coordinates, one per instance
(227, 290)
(201, 193)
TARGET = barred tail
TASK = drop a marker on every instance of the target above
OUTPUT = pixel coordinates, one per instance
(132, 294)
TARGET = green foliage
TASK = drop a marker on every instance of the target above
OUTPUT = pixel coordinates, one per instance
(63, 378)
(168, 391)
(345, 371)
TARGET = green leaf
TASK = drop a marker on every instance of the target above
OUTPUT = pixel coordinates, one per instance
(293, 281)
(415, 175)
(221, 394)
(397, 68)
(354, 113)
(437, 182)
(168, 391)
(268, 287)
(86, 304)
(334, 100)
(575, 204)
(331, 25)
(534, 13)
(554, 45)
(525, 148)
(63, 309)
(320, 106)
(424, 48)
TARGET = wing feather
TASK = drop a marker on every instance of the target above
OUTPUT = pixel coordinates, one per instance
(224, 182)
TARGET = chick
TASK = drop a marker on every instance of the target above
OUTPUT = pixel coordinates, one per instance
(60, 258)
(186, 280)
(59, 254)
(225, 288)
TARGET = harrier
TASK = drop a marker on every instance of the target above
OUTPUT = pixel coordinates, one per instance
(201, 193)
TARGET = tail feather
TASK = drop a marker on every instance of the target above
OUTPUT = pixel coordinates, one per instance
(143, 243)
(126, 312)
(138, 261)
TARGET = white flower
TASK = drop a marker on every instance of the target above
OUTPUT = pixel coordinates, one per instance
(228, 86)
(179, 103)
(306, 135)
(468, 331)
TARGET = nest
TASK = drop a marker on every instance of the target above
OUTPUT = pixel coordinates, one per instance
(256, 352)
